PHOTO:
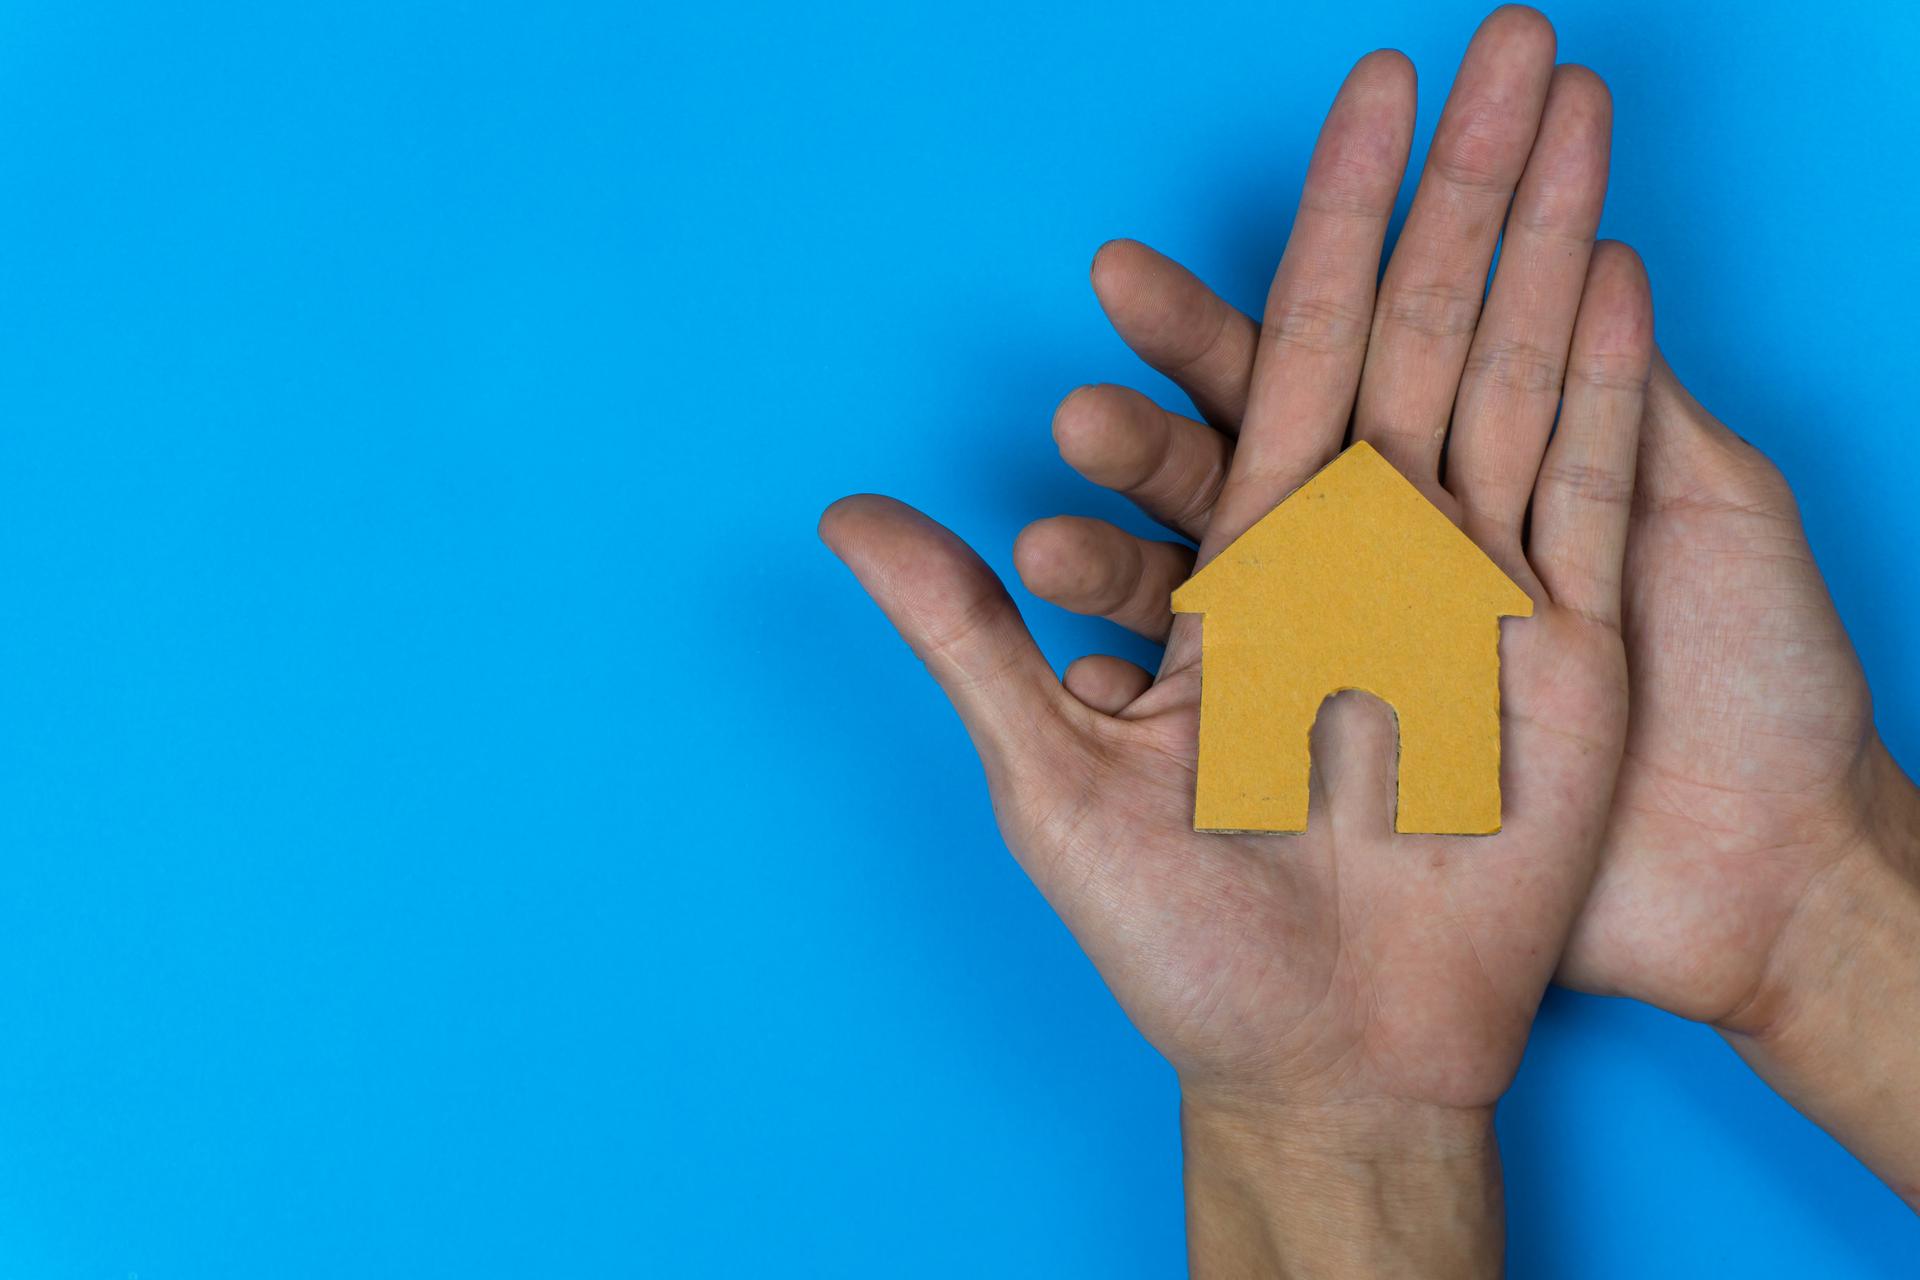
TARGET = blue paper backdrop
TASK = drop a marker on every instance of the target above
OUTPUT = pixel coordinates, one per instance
(457, 821)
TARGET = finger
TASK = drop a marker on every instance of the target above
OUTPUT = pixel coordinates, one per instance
(1106, 683)
(1089, 566)
(959, 620)
(1430, 295)
(1179, 327)
(1683, 446)
(1172, 467)
(1510, 390)
(1314, 334)
(1354, 752)
(1585, 489)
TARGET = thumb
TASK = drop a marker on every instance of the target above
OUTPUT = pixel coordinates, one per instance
(959, 620)
(1682, 447)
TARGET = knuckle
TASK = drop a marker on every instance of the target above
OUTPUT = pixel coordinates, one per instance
(1563, 195)
(1587, 482)
(1437, 309)
(1618, 371)
(1315, 325)
(1516, 364)
(1560, 216)
(1479, 149)
(1188, 498)
(1198, 338)
(1348, 185)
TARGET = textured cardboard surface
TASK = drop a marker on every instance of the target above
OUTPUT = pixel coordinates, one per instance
(1356, 581)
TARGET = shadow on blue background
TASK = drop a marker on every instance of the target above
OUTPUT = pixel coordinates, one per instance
(458, 821)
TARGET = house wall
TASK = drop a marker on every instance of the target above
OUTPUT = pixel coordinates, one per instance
(1262, 694)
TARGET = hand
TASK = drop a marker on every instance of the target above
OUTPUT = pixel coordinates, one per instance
(1345, 1006)
(1760, 867)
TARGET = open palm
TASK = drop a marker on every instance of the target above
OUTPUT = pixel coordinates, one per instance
(1752, 763)
(1348, 963)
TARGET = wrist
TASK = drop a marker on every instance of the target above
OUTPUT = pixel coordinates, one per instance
(1859, 898)
(1351, 1189)
(1834, 1024)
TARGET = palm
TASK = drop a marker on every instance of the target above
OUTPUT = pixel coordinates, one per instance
(1750, 727)
(1750, 714)
(1347, 962)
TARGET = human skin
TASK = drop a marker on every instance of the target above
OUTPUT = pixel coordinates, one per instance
(1344, 1007)
(1761, 865)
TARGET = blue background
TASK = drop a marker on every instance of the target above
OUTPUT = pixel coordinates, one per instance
(456, 820)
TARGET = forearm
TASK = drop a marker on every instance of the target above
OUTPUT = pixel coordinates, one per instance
(1836, 1026)
(1355, 1190)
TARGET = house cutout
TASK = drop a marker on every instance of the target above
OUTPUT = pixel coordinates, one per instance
(1356, 581)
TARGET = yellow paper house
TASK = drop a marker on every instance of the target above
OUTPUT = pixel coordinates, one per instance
(1356, 581)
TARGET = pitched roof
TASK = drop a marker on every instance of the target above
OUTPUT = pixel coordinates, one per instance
(1357, 526)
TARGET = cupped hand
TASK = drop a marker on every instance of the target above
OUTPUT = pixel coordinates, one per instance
(1753, 779)
(1753, 776)
(1348, 967)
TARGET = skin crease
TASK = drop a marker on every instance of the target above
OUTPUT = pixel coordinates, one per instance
(1345, 1006)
